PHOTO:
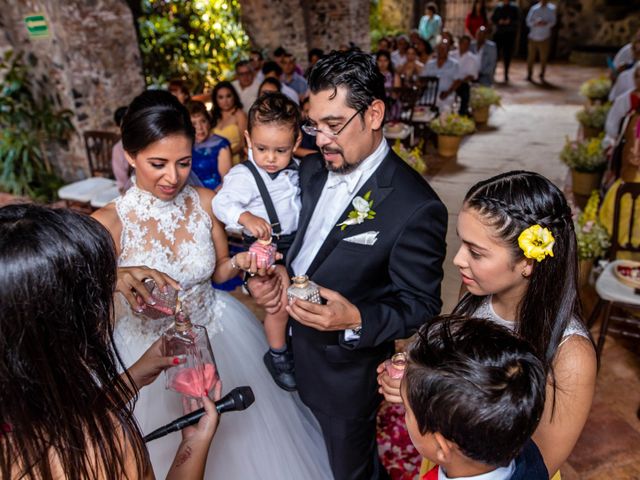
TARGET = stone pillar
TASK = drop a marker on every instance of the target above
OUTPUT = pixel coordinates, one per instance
(299, 26)
(90, 61)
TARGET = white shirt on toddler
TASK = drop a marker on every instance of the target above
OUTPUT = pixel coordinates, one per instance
(239, 194)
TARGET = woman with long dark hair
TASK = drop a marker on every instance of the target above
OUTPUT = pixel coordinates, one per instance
(476, 18)
(65, 409)
(165, 229)
(519, 264)
(228, 118)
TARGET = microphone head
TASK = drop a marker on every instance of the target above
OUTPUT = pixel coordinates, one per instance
(242, 397)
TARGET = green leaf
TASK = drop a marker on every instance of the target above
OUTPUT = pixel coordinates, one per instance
(371, 212)
(367, 195)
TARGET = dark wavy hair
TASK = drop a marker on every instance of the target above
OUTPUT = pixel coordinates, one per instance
(387, 55)
(510, 203)
(198, 108)
(275, 108)
(271, 81)
(60, 388)
(354, 70)
(152, 116)
(216, 113)
(471, 380)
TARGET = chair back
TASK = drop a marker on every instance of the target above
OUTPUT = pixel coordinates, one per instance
(400, 103)
(99, 147)
(628, 192)
(429, 93)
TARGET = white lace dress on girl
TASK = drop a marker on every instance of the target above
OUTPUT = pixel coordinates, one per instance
(277, 437)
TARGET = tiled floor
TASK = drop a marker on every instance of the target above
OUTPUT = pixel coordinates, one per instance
(527, 133)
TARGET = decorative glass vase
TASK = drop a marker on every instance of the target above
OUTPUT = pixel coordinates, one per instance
(304, 289)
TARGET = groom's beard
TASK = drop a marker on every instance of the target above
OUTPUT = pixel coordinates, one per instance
(345, 167)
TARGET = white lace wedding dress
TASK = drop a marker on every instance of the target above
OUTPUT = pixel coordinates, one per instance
(277, 437)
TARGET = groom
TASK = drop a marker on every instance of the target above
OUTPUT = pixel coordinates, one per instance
(372, 235)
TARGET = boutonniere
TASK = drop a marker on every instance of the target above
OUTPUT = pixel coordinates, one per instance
(361, 211)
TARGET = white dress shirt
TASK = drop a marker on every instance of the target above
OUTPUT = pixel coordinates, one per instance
(247, 95)
(547, 14)
(239, 194)
(290, 92)
(447, 74)
(624, 82)
(469, 65)
(624, 56)
(338, 192)
(500, 473)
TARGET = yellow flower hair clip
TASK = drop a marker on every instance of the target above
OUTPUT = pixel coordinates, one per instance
(536, 242)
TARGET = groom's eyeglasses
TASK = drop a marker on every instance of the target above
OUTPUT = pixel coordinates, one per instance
(313, 131)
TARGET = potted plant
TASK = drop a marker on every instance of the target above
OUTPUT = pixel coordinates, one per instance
(412, 157)
(587, 161)
(450, 128)
(592, 119)
(591, 236)
(29, 124)
(481, 100)
(596, 90)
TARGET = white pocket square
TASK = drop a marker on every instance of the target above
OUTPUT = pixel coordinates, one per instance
(366, 238)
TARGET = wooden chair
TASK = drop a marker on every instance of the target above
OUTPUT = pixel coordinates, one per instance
(426, 108)
(99, 146)
(400, 104)
(611, 292)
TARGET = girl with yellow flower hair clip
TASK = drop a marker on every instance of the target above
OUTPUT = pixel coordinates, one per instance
(518, 263)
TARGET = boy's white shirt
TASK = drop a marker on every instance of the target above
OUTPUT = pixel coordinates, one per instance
(501, 473)
(239, 194)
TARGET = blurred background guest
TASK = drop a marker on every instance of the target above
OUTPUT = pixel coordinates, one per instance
(228, 118)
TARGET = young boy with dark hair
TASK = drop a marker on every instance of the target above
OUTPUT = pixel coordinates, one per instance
(474, 394)
(262, 196)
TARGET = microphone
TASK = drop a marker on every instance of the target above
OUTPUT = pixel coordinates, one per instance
(239, 398)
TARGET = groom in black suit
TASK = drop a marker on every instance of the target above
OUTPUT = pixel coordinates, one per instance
(372, 235)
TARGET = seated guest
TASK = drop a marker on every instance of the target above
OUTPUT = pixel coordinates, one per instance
(308, 144)
(448, 72)
(273, 70)
(410, 71)
(423, 49)
(469, 68)
(211, 157)
(384, 44)
(256, 61)
(399, 55)
(270, 85)
(279, 55)
(315, 54)
(624, 80)
(291, 78)
(178, 88)
(228, 118)
(385, 65)
(67, 412)
(119, 164)
(626, 103)
(488, 53)
(474, 394)
(624, 59)
(245, 84)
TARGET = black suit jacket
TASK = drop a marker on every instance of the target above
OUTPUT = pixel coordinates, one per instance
(395, 283)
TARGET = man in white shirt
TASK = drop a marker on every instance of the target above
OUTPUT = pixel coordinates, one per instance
(624, 58)
(540, 20)
(487, 52)
(469, 66)
(371, 235)
(448, 72)
(245, 84)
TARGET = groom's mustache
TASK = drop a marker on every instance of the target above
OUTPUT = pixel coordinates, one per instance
(330, 150)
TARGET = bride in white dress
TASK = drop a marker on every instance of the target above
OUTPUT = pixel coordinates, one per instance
(165, 230)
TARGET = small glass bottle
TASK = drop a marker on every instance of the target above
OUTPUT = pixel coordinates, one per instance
(165, 301)
(395, 365)
(198, 374)
(265, 252)
(304, 289)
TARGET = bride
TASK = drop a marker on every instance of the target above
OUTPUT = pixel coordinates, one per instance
(164, 229)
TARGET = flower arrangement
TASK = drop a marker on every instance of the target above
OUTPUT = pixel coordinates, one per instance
(585, 156)
(484, 97)
(596, 88)
(594, 116)
(452, 124)
(592, 238)
(412, 157)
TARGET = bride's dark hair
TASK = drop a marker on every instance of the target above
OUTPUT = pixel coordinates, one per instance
(152, 116)
(62, 400)
(510, 203)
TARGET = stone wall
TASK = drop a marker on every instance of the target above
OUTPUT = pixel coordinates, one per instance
(299, 26)
(90, 61)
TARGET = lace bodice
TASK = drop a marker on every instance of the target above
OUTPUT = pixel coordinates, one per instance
(173, 237)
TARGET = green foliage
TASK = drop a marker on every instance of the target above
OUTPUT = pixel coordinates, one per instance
(482, 96)
(378, 26)
(594, 116)
(452, 124)
(27, 123)
(199, 40)
(591, 236)
(412, 157)
(596, 88)
(585, 156)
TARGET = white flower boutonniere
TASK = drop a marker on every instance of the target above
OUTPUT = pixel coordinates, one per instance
(361, 212)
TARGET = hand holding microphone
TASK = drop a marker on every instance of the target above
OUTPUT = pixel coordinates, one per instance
(237, 399)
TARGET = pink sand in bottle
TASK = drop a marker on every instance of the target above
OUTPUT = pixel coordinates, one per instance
(265, 252)
(190, 381)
